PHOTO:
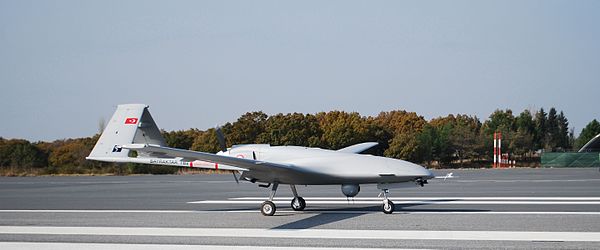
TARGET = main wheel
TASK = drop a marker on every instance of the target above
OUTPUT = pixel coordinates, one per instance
(298, 204)
(388, 207)
(268, 208)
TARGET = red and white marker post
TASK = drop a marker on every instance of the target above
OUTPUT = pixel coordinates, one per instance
(497, 150)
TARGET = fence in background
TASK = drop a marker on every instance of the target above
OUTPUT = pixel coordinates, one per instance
(571, 159)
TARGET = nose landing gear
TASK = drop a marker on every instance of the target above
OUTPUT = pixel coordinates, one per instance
(388, 206)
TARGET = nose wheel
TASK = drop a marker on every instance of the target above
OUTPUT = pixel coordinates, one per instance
(388, 206)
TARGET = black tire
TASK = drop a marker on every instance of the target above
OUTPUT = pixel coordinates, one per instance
(268, 208)
(388, 207)
(298, 204)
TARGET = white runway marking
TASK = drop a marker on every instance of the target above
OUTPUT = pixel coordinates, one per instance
(419, 200)
(110, 182)
(529, 181)
(96, 211)
(433, 198)
(110, 246)
(309, 233)
(308, 212)
(284, 203)
(410, 202)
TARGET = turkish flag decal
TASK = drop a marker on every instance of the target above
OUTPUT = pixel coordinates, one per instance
(131, 120)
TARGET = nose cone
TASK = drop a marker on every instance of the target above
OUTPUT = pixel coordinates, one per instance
(426, 174)
(420, 171)
(409, 169)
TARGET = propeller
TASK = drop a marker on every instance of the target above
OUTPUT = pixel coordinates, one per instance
(221, 139)
(223, 145)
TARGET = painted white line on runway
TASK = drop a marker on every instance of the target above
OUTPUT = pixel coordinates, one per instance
(433, 198)
(510, 181)
(398, 202)
(501, 212)
(310, 212)
(96, 211)
(111, 246)
(114, 182)
(307, 233)
(418, 212)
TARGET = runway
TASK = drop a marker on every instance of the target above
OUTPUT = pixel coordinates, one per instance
(504, 208)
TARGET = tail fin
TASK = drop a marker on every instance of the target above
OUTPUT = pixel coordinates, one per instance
(131, 123)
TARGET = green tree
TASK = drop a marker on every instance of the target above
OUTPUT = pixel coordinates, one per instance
(563, 141)
(539, 136)
(247, 128)
(427, 142)
(499, 121)
(522, 142)
(68, 156)
(206, 141)
(404, 126)
(22, 154)
(551, 130)
(180, 139)
(458, 138)
(464, 137)
(341, 129)
(443, 152)
(525, 122)
(292, 129)
(434, 143)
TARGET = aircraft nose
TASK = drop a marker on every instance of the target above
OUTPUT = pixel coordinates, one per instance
(430, 175)
(423, 172)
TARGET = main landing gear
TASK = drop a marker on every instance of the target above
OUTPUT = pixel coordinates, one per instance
(388, 206)
(268, 208)
(298, 203)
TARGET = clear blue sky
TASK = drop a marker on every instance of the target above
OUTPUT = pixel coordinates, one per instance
(64, 65)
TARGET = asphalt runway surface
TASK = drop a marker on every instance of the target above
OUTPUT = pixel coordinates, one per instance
(479, 209)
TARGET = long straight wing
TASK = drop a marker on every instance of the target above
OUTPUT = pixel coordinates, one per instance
(252, 165)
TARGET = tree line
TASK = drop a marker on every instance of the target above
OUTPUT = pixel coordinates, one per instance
(451, 141)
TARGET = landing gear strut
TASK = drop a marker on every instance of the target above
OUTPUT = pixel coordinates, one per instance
(388, 206)
(268, 208)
